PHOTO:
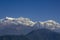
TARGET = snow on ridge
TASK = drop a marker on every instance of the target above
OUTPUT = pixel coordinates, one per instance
(28, 22)
(50, 24)
(20, 20)
(23, 25)
(9, 18)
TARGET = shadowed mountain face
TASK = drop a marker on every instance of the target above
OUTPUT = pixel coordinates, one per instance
(43, 34)
(13, 37)
(40, 34)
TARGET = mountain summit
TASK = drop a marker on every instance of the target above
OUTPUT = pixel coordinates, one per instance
(23, 25)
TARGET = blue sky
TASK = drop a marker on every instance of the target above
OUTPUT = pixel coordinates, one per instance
(34, 9)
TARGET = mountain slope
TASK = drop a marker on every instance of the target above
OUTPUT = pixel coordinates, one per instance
(22, 25)
(15, 27)
(43, 34)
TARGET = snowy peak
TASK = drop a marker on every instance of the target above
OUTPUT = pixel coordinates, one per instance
(28, 22)
(50, 24)
(9, 18)
(20, 20)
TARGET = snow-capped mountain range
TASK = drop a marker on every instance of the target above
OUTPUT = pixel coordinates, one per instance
(22, 25)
